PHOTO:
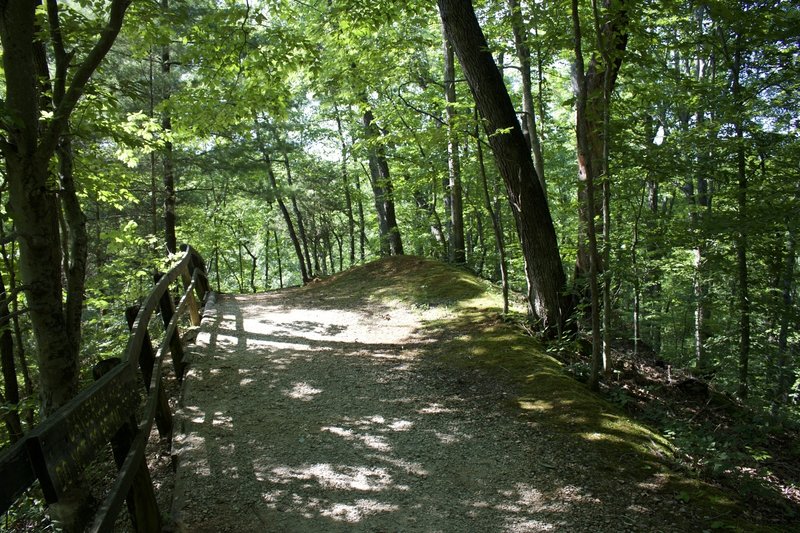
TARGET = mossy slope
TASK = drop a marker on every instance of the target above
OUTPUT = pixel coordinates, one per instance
(463, 312)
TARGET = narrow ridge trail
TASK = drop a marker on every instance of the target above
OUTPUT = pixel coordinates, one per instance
(308, 413)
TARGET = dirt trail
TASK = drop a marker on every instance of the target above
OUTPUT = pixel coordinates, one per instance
(298, 416)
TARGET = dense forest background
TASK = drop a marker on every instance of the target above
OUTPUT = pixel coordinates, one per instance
(289, 140)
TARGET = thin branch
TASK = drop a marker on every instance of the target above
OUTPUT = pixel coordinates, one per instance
(81, 78)
(420, 111)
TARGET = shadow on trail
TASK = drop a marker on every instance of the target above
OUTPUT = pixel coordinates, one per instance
(304, 417)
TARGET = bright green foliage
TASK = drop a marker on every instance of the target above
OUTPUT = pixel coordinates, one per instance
(292, 80)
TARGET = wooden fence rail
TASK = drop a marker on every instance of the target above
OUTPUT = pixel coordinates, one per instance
(58, 450)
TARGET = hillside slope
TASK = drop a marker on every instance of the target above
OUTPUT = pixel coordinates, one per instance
(464, 313)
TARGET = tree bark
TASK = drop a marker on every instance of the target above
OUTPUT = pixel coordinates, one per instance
(351, 223)
(495, 216)
(587, 176)
(278, 256)
(29, 145)
(381, 180)
(298, 250)
(457, 253)
(543, 269)
(296, 209)
(741, 237)
(600, 79)
(529, 122)
(9, 369)
(784, 370)
(170, 217)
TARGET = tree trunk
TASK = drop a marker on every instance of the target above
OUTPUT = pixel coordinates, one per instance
(784, 371)
(77, 244)
(543, 269)
(381, 180)
(29, 145)
(741, 237)
(453, 190)
(278, 256)
(600, 79)
(9, 369)
(528, 109)
(296, 209)
(168, 161)
(495, 216)
(362, 230)
(267, 284)
(287, 218)
(32, 204)
(347, 194)
(587, 175)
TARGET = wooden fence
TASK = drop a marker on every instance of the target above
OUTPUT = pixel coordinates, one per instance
(58, 450)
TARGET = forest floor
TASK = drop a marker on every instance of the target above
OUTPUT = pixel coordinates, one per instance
(393, 397)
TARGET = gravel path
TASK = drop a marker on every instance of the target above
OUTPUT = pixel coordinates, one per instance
(300, 417)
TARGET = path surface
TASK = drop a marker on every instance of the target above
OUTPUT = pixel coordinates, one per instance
(299, 417)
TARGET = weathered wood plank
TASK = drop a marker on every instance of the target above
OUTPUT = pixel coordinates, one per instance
(174, 337)
(146, 361)
(17, 474)
(106, 515)
(135, 341)
(62, 445)
(141, 499)
(189, 283)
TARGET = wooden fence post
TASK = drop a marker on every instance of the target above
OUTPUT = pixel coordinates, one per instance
(194, 310)
(175, 346)
(146, 360)
(195, 262)
(141, 499)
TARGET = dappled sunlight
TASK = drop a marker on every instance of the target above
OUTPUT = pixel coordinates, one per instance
(316, 419)
(329, 476)
(302, 391)
(370, 441)
(193, 447)
(434, 408)
(222, 420)
(353, 513)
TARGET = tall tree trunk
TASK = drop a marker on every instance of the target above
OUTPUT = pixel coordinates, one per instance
(33, 205)
(784, 371)
(278, 256)
(296, 209)
(29, 145)
(267, 284)
(528, 109)
(608, 74)
(543, 269)
(287, 218)
(453, 190)
(653, 252)
(495, 216)
(305, 269)
(362, 230)
(351, 224)
(9, 369)
(77, 244)
(391, 243)
(600, 79)
(154, 219)
(741, 237)
(168, 161)
(587, 176)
